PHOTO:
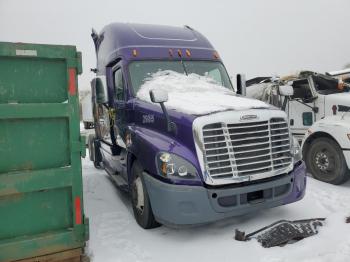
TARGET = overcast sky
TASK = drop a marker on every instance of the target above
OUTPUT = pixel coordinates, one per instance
(257, 37)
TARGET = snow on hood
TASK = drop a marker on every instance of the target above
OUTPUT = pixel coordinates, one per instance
(195, 94)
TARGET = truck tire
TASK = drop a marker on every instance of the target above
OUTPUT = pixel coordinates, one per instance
(325, 161)
(140, 201)
(94, 154)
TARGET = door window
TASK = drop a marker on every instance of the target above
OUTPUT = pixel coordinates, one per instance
(301, 89)
(119, 84)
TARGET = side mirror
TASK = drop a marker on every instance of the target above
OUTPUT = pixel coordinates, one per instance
(98, 90)
(241, 84)
(158, 96)
(161, 96)
(286, 90)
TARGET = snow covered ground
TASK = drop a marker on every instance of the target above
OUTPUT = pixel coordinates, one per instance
(115, 236)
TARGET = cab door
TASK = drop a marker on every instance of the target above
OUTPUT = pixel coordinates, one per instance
(301, 108)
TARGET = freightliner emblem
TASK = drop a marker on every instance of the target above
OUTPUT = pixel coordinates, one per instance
(248, 117)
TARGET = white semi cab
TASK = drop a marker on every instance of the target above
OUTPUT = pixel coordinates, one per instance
(317, 106)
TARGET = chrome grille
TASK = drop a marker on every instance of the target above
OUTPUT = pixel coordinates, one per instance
(242, 149)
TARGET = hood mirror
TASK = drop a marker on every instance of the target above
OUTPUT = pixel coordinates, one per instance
(161, 96)
(158, 96)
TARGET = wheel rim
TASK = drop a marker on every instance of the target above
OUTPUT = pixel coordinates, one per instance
(324, 161)
(138, 196)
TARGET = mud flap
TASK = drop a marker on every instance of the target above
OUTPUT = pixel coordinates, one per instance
(283, 232)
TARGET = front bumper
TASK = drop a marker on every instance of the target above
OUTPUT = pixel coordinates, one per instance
(189, 205)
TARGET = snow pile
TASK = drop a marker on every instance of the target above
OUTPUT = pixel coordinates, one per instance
(195, 94)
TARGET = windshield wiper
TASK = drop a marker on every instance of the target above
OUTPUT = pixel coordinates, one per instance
(183, 65)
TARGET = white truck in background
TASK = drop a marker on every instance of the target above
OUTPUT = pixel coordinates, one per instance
(317, 106)
(86, 111)
(343, 74)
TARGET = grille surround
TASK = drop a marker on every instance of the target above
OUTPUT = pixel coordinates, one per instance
(237, 151)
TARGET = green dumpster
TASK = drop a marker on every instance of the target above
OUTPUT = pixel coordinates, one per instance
(41, 196)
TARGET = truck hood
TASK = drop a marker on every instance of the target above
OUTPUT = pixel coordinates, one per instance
(340, 100)
(342, 119)
(150, 116)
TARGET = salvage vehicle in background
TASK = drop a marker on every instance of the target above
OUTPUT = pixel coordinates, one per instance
(86, 111)
(317, 106)
(343, 75)
(41, 191)
(185, 168)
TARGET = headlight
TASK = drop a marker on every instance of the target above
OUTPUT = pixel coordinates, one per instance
(296, 150)
(175, 167)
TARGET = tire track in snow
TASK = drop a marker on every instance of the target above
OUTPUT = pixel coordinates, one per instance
(113, 233)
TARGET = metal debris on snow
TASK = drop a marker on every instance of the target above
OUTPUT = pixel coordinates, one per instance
(282, 232)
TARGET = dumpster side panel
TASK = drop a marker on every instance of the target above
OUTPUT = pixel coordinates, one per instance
(41, 201)
(35, 75)
(34, 144)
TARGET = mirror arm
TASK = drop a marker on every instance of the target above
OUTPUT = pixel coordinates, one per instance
(285, 101)
(171, 126)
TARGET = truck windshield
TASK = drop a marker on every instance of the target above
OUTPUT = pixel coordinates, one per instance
(328, 85)
(141, 70)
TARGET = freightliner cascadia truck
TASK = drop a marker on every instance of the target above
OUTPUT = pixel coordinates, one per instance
(184, 168)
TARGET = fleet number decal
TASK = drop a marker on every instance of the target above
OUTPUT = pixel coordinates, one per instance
(147, 119)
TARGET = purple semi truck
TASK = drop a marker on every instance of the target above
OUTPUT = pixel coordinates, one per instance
(185, 168)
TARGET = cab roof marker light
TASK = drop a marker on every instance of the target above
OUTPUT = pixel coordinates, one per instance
(188, 53)
(216, 55)
(179, 52)
(134, 52)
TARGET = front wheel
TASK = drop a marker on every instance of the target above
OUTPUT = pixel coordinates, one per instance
(140, 201)
(325, 161)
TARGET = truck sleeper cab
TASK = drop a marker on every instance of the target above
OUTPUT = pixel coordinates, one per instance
(181, 168)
